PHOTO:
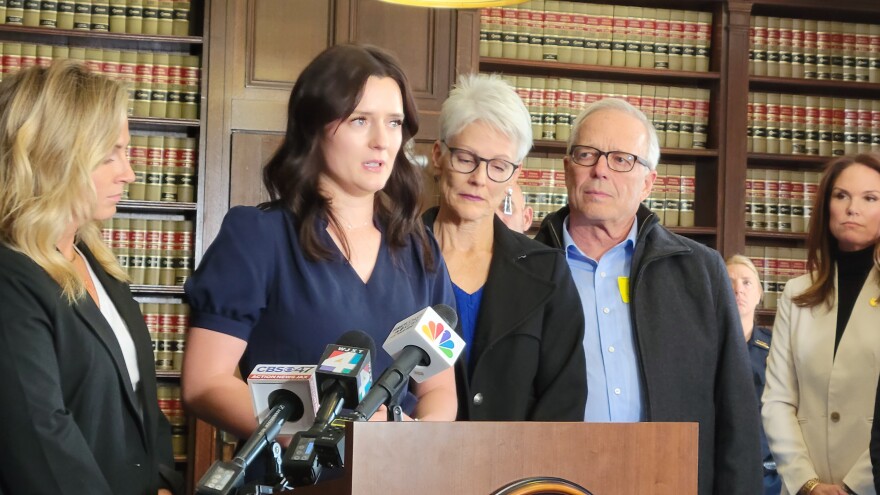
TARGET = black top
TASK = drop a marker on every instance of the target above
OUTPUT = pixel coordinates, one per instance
(852, 271)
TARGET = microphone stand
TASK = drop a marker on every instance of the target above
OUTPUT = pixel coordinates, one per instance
(395, 412)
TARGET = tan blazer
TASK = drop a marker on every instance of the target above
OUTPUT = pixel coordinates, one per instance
(818, 408)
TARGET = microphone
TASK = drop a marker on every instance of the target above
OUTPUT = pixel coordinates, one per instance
(344, 376)
(225, 477)
(422, 345)
(266, 379)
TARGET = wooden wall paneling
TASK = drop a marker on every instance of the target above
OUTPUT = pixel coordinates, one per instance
(250, 151)
(733, 158)
(422, 39)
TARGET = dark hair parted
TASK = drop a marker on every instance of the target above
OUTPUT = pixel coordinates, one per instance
(821, 243)
(327, 91)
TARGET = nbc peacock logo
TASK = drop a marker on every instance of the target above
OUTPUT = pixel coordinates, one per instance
(441, 337)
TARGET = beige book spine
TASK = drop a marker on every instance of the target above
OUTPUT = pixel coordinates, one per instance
(661, 39)
(65, 14)
(661, 113)
(649, 32)
(812, 125)
(100, 20)
(187, 162)
(874, 53)
(31, 13)
(799, 125)
(166, 263)
(837, 50)
(759, 207)
(704, 41)
(797, 49)
(750, 199)
(673, 117)
(688, 195)
(536, 105)
(190, 87)
(153, 189)
(750, 118)
(173, 108)
(484, 32)
(797, 201)
(811, 49)
(811, 186)
(82, 15)
(864, 126)
(875, 124)
(159, 88)
(564, 28)
(862, 52)
(850, 126)
(153, 259)
(837, 135)
(134, 16)
(647, 92)
(137, 252)
(523, 28)
(536, 31)
(548, 114)
(786, 123)
(688, 115)
(509, 29)
(28, 55)
(849, 51)
(771, 199)
(759, 62)
(786, 25)
(606, 26)
(592, 33)
(676, 39)
(44, 58)
(823, 50)
(151, 17)
(658, 204)
(578, 32)
(619, 36)
(180, 25)
(634, 22)
(563, 115)
(690, 39)
(121, 241)
(15, 12)
(550, 50)
(138, 159)
(773, 46)
(673, 194)
(785, 201)
(772, 123)
(165, 17)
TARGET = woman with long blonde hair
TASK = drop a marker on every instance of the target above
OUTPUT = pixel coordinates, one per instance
(79, 388)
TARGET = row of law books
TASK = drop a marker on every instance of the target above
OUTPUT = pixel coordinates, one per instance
(161, 84)
(167, 323)
(812, 125)
(594, 34)
(811, 49)
(776, 265)
(171, 405)
(163, 17)
(780, 200)
(673, 195)
(679, 114)
(164, 168)
(153, 249)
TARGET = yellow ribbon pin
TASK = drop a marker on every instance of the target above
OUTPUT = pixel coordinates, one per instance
(623, 286)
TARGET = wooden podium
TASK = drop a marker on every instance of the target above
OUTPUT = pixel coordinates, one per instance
(481, 457)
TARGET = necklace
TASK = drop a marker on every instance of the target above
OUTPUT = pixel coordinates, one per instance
(349, 226)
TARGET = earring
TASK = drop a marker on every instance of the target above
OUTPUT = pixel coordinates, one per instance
(507, 206)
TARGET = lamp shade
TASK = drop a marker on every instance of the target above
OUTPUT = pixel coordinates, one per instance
(455, 4)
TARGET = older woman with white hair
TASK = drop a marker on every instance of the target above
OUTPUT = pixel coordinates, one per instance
(520, 312)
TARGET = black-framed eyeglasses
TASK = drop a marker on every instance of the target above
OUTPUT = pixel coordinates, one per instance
(619, 161)
(465, 162)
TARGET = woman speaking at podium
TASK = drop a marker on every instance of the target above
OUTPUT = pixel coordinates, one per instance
(339, 246)
(77, 375)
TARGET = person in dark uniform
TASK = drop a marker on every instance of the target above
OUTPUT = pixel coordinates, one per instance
(749, 292)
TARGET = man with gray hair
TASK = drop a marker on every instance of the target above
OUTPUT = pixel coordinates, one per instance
(663, 338)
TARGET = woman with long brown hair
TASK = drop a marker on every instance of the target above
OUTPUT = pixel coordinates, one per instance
(822, 369)
(339, 247)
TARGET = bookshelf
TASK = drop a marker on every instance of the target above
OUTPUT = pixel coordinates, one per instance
(826, 69)
(655, 55)
(160, 50)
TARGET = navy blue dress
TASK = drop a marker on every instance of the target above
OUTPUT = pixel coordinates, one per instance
(255, 283)
(759, 348)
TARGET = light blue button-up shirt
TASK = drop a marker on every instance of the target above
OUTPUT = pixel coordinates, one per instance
(613, 383)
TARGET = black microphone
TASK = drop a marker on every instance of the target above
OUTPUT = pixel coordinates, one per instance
(223, 478)
(422, 345)
(344, 375)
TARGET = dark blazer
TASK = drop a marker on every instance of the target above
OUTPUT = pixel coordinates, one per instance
(70, 422)
(527, 354)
